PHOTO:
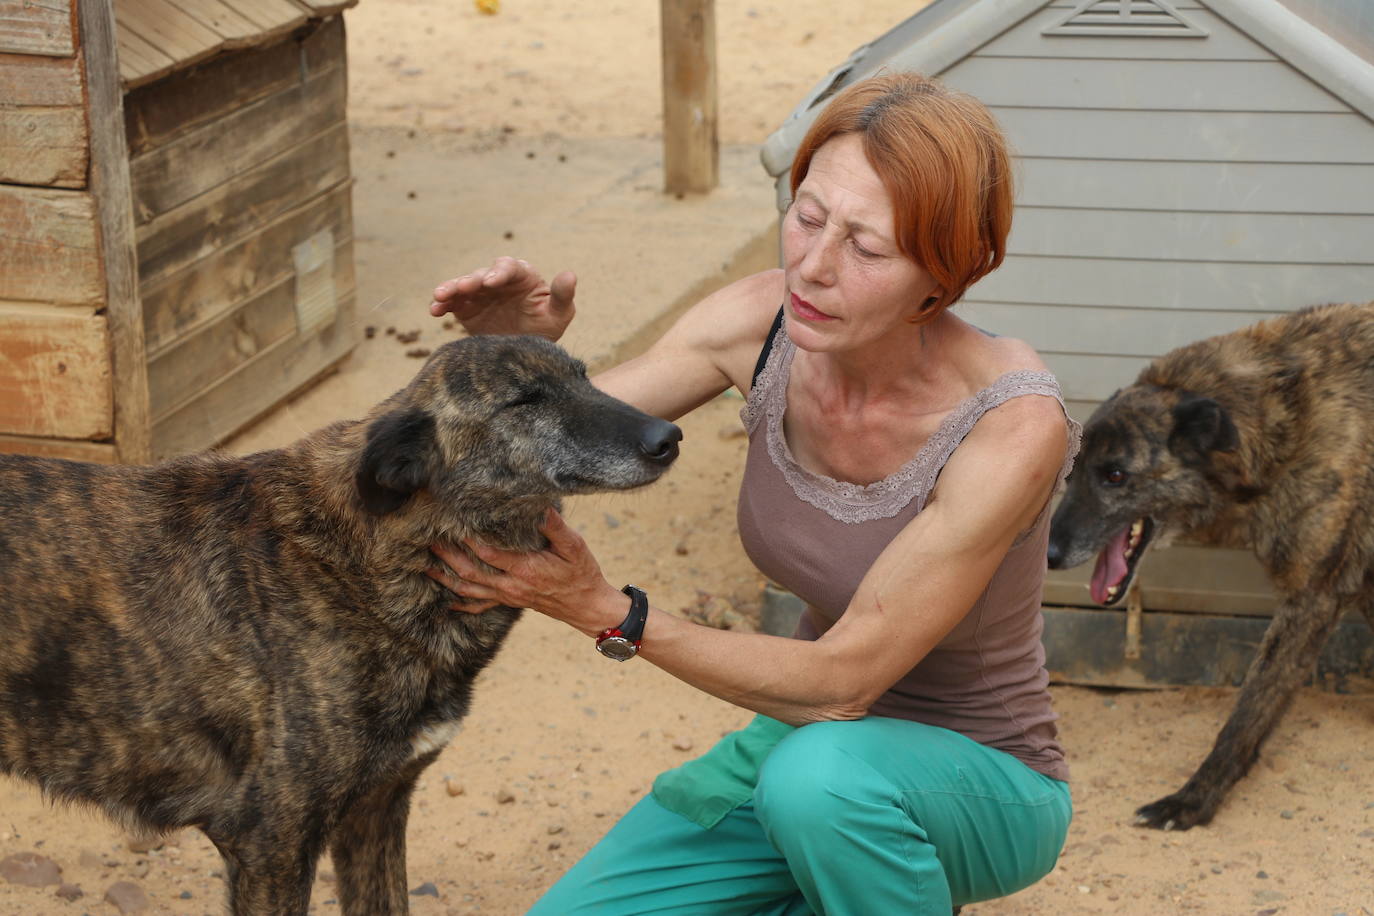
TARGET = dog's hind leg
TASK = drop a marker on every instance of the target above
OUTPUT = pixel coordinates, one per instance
(368, 846)
(1286, 656)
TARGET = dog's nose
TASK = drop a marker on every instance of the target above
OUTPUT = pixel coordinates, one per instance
(658, 441)
(1055, 555)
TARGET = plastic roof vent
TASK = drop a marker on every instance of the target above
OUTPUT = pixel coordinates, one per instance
(1132, 18)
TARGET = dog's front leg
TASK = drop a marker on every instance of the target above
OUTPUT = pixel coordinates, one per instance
(1286, 656)
(368, 846)
(269, 873)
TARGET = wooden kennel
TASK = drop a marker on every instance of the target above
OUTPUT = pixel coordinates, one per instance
(175, 223)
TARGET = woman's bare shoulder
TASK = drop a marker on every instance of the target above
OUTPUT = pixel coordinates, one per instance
(730, 325)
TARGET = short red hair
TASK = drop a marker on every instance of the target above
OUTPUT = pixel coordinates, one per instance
(944, 163)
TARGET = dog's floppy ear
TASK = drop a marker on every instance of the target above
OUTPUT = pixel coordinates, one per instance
(1201, 426)
(397, 460)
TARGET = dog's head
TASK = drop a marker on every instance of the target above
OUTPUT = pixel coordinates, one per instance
(1154, 462)
(492, 421)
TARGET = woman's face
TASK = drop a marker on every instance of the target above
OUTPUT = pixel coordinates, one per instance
(848, 284)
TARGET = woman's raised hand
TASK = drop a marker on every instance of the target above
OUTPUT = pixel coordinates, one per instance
(509, 297)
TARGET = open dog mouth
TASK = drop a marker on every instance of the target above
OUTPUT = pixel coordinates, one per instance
(1116, 564)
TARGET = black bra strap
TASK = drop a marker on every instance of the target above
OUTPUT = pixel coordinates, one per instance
(767, 348)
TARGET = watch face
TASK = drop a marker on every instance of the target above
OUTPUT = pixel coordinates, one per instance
(618, 648)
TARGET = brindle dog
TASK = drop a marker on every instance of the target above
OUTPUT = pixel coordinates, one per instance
(1263, 439)
(250, 645)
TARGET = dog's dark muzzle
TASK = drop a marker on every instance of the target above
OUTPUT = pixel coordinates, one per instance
(658, 441)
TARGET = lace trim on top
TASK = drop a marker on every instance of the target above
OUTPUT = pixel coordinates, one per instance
(853, 503)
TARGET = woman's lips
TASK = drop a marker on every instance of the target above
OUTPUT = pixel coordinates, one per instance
(808, 311)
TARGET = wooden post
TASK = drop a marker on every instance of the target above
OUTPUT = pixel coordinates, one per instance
(110, 186)
(691, 147)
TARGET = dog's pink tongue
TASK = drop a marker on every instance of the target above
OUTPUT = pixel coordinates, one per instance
(1111, 567)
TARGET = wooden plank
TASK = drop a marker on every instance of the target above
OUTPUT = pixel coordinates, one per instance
(273, 17)
(1197, 186)
(37, 27)
(1223, 42)
(691, 145)
(1162, 284)
(1174, 236)
(48, 244)
(326, 7)
(168, 29)
(30, 80)
(242, 205)
(111, 187)
(1103, 331)
(139, 61)
(70, 449)
(159, 112)
(170, 175)
(45, 147)
(223, 20)
(1088, 647)
(215, 285)
(1149, 85)
(55, 372)
(256, 387)
(1189, 135)
(42, 121)
(1184, 578)
(200, 360)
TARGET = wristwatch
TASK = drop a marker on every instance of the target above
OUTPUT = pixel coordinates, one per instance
(622, 643)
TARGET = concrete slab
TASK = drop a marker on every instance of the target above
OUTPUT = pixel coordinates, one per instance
(427, 207)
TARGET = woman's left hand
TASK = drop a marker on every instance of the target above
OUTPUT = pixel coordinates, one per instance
(563, 580)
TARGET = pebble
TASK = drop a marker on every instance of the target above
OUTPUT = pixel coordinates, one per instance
(89, 858)
(1286, 815)
(30, 869)
(555, 829)
(127, 897)
(70, 891)
(682, 744)
(453, 788)
(612, 521)
(145, 843)
(505, 797)
(418, 352)
(425, 890)
(370, 332)
(408, 337)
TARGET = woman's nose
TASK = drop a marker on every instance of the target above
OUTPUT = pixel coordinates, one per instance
(817, 264)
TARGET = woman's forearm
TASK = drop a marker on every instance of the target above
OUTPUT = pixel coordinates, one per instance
(792, 680)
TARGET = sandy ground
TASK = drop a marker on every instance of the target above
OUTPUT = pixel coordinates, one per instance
(560, 742)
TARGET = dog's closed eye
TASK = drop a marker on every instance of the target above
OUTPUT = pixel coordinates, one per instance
(525, 399)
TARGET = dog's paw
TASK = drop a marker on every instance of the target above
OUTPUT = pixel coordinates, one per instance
(1180, 811)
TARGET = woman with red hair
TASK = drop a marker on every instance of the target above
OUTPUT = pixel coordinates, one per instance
(901, 462)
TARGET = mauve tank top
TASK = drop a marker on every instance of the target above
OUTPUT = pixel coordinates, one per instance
(817, 537)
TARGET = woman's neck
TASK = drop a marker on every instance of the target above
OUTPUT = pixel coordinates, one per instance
(910, 361)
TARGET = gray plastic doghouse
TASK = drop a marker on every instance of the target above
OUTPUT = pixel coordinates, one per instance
(1185, 168)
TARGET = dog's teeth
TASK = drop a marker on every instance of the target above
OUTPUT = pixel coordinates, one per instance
(1111, 592)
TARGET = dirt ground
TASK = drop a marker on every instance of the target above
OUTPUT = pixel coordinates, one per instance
(560, 742)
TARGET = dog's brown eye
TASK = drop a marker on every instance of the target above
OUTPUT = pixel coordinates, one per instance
(1114, 477)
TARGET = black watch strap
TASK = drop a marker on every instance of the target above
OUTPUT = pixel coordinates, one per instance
(633, 627)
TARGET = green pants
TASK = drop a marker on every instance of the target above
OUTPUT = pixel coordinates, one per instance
(872, 817)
